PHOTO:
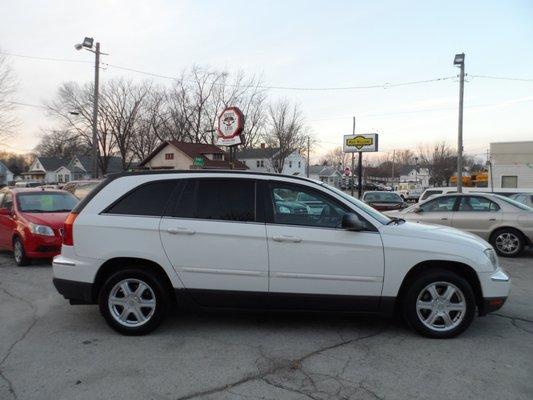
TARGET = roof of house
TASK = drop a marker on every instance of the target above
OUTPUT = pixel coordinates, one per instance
(406, 169)
(267, 152)
(323, 170)
(194, 150)
(51, 163)
(114, 164)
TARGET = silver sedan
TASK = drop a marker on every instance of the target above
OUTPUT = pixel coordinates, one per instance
(505, 223)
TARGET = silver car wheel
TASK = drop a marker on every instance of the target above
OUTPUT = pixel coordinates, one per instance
(507, 242)
(132, 302)
(17, 251)
(441, 306)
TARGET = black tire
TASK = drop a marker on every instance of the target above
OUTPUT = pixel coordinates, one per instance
(418, 288)
(513, 235)
(157, 291)
(19, 253)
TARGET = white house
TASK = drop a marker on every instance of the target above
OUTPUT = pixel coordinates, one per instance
(326, 174)
(263, 159)
(511, 165)
(413, 173)
(43, 169)
(6, 176)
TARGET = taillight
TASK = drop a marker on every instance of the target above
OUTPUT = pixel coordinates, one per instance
(68, 237)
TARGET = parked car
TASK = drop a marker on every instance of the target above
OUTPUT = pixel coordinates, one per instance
(508, 192)
(24, 184)
(384, 201)
(31, 222)
(141, 240)
(81, 189)
(524, 198)
(505, 223)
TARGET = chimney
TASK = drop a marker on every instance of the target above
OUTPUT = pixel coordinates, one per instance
(263, 145)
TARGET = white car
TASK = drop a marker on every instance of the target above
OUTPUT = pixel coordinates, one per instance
(143, 242)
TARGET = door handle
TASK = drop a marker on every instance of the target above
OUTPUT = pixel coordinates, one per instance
(444, 219)
(492, 219)
(180, 230)
(284, 238)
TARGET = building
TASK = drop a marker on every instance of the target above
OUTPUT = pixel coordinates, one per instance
(511, 165)
(57, 170)
(418, 175)
(173, 154)
(263, 159)
(326, 174)
(6, 176)
(43, 169)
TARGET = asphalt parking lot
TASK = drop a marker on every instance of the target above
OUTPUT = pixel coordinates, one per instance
(51, 350)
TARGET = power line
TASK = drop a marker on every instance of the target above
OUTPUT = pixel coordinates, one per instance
(46, 58)
(505, 78)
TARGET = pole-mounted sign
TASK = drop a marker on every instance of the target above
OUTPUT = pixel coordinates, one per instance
(230, 127)
(366, 142)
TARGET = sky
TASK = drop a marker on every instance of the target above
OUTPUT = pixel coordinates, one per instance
(297, 43)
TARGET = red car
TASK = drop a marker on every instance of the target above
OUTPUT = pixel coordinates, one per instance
(31, 221)
(384, 201)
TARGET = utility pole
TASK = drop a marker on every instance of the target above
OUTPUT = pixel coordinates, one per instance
(353, 162)
(95, 110)
(392, 174)
(489, 163)
(460, 62)
(308, 146)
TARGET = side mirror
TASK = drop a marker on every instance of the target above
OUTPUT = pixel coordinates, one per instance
(351, 222)
(6, 211)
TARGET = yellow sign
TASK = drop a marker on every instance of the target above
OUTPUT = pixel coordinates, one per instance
(360, 141)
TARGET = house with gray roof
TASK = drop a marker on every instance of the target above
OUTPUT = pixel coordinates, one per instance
(324, 173)
(263, 159)
(43, 169)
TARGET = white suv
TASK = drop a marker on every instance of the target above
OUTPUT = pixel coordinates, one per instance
(143, 242)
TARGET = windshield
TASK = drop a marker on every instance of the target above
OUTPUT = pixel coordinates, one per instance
(383, 197)
(514, 203)
(46, 202)
(382, 218)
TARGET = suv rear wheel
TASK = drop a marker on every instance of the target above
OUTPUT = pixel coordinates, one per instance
(439, 304)
(133, 301)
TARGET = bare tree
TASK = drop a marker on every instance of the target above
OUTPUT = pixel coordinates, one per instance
(62, 143)
(336, 157)
(7, 89)
(285, 130)
(441, 162)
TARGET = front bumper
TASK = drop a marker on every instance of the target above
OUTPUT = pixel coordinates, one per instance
(75, 292)
(496, 286)
(38, 246)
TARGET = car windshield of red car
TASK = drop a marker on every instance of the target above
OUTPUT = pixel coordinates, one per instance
(46, 202)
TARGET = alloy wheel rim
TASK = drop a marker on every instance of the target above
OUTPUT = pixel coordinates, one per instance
(507, 243)
(132, 302)
(17, 251)
(441, 306)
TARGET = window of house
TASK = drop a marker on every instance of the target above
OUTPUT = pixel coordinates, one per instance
(169, 156)
(262, 163)
(258, 164)
(217, 156)
(509, 181)
(299, 164)
(219, 199)
(149, 199)
(290, 164)
(471, 203)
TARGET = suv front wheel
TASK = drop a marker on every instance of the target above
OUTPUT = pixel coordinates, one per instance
(439, 304)
(133, 301)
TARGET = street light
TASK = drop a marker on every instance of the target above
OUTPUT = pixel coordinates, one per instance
(459, 61)
(87, 44)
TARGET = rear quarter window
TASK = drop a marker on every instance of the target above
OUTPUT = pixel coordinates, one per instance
(149, 199)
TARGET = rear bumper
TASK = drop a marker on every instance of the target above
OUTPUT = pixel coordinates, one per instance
(76, 292)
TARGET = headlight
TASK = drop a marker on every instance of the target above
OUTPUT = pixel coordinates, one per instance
(491, 255)
(41, 230)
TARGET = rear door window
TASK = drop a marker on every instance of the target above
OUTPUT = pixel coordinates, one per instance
(474, 203)
(218, 199)
(146, 200)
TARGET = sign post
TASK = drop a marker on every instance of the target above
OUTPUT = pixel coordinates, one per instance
(360, 143)
(229, 129)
